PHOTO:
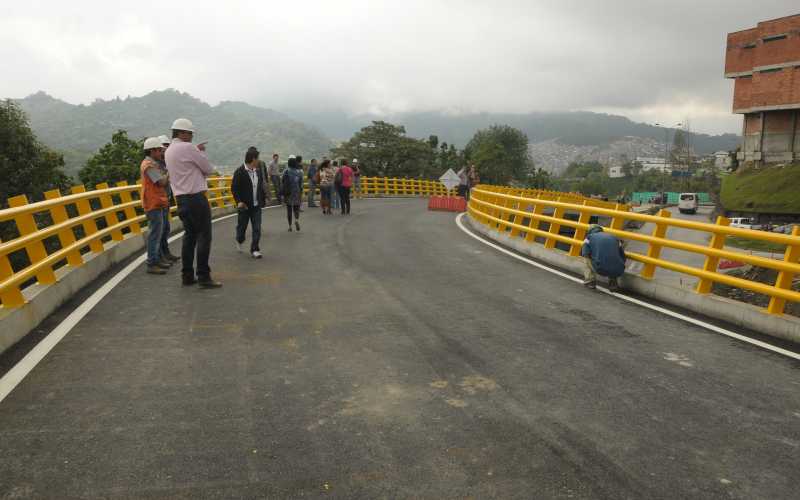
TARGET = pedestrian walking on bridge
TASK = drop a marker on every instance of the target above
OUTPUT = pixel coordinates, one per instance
(604, 255)
(273, 169)
(312, 182)
(292, 183)
(326, 176)
(344, 178)
(247, 188)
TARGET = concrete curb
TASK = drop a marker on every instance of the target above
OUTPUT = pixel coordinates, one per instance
(41, 301)
(738, 313)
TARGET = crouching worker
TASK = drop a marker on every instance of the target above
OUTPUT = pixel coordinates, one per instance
(604, 255)
(155, 203)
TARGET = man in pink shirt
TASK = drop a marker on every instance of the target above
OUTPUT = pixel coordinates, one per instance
(188, 168)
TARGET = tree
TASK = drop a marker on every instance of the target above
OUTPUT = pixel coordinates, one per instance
(119, 160)
(500, 153)
(540, 179)
(26, 165)
(384, 150)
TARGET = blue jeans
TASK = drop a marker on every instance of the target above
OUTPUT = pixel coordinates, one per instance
(253, 216)
(155, 224)
(311, 188)
(335, 197)
(164, 248)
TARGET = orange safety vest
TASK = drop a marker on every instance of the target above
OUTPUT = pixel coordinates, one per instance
(153, 195)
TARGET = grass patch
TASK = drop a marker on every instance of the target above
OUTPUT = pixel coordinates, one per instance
(764, 190)
(759, 245)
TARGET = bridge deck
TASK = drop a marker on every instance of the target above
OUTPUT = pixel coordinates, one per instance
(390, 355)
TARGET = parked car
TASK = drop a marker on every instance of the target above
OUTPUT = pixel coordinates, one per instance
(745, 223)
(688, 203)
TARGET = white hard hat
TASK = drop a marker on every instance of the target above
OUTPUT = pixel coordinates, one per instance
(183, 124)
(152, 143)
(292, 156)
(164, 139)
(355, 160)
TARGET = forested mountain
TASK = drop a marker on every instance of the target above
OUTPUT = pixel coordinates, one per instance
(230, 127)
(580, 128)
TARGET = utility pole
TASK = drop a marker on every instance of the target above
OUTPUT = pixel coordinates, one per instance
(666, 157)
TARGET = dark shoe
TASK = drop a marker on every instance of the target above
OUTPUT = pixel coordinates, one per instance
(189, 281)
(208, 283)
(590, 284)
(297, 225)
(290, 228)
(613, 286)
(172, 258)
(155, 269)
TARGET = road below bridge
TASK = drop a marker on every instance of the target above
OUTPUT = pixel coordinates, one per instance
(389, 355)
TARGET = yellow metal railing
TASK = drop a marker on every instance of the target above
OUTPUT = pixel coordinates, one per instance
(505, 209)
(83, 221)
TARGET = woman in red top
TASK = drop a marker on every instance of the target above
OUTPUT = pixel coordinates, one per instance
(345, 184)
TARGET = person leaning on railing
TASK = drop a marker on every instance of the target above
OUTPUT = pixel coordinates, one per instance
(155, 202)
(188, 168)
(603, 255)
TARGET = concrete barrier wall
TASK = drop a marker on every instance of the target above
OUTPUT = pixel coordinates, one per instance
(41, 301)
(738, 313)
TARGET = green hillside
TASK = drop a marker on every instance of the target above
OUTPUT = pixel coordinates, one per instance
(230, 127)
(578, 128)
(766, 190)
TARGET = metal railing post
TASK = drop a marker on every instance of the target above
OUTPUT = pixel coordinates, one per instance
(711, 263)
(558, 213)
(90, 226)
(26, 225)
(654, 250)
(130, 212)
(580, 233)
(111, 217)
(66, 237)
(784, 280)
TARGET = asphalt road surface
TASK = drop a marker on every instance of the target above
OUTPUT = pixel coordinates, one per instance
(389, 355)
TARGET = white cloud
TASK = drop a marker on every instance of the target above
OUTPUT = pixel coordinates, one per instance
(649, 60)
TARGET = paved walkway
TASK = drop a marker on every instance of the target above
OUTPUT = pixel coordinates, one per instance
(388, 355)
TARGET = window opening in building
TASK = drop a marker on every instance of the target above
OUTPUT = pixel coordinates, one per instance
(774, 38)
(750, 45)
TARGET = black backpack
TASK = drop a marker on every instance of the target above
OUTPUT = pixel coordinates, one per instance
(337, 179)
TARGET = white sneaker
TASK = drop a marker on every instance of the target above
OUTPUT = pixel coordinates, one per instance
(239, 247)
(257, 255)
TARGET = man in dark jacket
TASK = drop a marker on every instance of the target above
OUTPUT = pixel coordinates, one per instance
(604, 256)
(247, 188)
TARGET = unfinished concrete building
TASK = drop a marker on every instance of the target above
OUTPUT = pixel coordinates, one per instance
(765, 63)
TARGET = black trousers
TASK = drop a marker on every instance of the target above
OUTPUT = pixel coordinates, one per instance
(344, 195)
(292, 209)
(195, 213)
(252, 216)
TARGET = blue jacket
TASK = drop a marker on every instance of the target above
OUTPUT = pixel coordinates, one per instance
(608, 258)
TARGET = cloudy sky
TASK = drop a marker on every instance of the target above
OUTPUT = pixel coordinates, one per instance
(653, 61)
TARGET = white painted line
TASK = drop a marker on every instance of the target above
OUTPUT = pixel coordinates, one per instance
(667, 312)
(21, 370)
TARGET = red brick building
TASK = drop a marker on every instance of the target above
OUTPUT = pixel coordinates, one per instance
(765, 63)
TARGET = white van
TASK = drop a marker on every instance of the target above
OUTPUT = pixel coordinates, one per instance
(744, 223)
(688, 203)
